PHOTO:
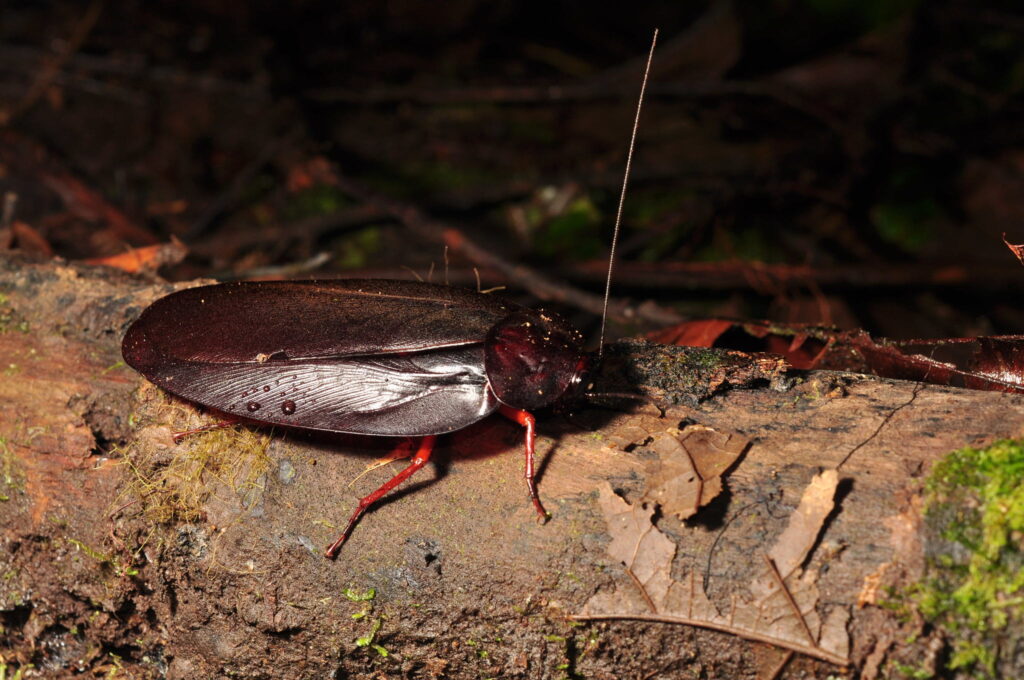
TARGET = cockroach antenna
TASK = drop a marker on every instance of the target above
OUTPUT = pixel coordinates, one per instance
(334, 356)
(622, 196)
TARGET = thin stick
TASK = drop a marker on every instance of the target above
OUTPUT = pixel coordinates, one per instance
(51, 67)
(622, 196)
(7, 216)
(541, 286)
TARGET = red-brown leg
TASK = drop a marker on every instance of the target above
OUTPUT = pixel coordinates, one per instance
(527, 420)
(418, 461)
(228, 422)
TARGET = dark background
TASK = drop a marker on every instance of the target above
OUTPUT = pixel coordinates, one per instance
(823, 161)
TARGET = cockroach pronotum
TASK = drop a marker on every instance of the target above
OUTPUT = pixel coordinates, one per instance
(368, 357)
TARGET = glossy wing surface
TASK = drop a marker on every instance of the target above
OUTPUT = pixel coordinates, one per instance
(287, 320)
(423, 393)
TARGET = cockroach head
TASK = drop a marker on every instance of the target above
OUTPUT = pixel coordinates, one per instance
(534, 359)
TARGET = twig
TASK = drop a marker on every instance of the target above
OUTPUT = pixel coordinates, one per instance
(126, 66)
(540, 285)
(33, 160)
(238, 185)
(551, 94)
(303, 230)
(283, 270)
(742, 274)
(722, 276)
(582, 92)
(52, 67)
(6, 218)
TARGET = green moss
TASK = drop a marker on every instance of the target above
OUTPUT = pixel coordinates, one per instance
(908, 671)
(974, 586)
(13, 672)
(10, 476)
(684, 373)
(358, 248)
(690, 370)
(121, 568)
(574, 233)
(356, 596)
(114, 366)
(704, 359)
(231, 458)
(908, 225)
(321, 199)
(576, 645)
(757, 241)
(441, 176)
(369, 640)
(668, 218)
(10, 319)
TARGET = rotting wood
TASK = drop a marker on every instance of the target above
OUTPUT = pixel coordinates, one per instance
(458, 565)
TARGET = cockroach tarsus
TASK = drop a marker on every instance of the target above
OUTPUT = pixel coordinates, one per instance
(370, 357)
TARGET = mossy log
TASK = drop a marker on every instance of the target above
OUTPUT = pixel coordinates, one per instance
(123, 550)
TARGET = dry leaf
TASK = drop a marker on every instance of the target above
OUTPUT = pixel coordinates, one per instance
(28, 240)
(635, 432)
(688, 472)
(793, 545)
(1016, 249)
(146, 259)
(907, 535)
(872, 586)
(786, 617)
(646, 552)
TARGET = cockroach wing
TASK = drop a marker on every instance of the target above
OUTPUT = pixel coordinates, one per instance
(415, 394)
(360, 356)
(255, 321)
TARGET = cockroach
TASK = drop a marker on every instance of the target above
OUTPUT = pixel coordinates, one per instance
(368, 357)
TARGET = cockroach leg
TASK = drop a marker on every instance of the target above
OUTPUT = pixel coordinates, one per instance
(527, 420)
(418, 461)
(227, 422)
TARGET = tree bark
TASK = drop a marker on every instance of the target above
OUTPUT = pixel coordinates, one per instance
(122, 549)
